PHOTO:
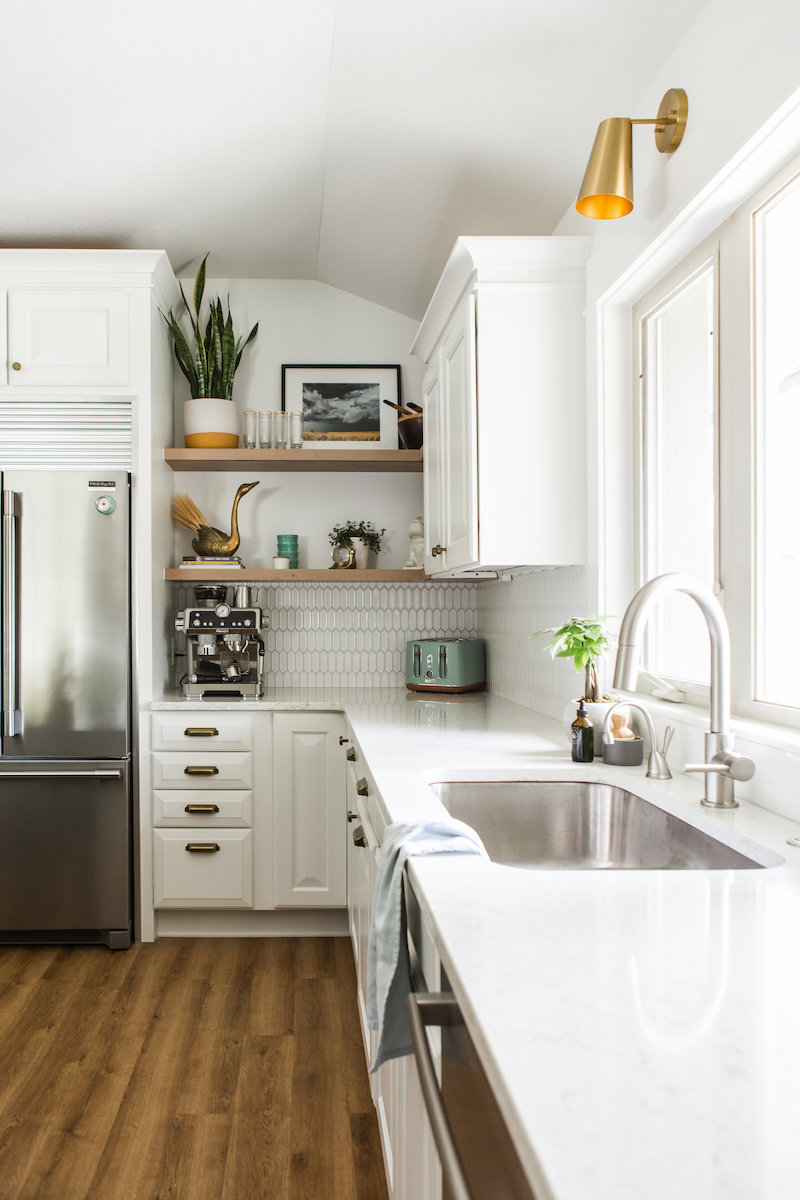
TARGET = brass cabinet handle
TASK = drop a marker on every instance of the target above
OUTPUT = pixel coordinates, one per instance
(351, 754)
(201, 770)
(351, 816)
(342, 740)
(202, 808)
(361, 788)
(15, 366)
(201, 731)
(359, 837)
(203, 847)
(436, 551)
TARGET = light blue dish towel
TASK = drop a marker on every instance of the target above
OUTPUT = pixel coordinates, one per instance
(388, 975)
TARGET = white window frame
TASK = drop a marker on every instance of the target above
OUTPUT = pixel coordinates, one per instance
(740, 528)
(700, 260)
(733, 247)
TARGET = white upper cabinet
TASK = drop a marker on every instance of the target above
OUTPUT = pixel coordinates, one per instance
(504, 395)
(70, 337)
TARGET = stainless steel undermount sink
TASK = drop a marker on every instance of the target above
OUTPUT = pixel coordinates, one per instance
(579, 825)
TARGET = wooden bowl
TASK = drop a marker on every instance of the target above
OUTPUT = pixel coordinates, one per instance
(409, 430)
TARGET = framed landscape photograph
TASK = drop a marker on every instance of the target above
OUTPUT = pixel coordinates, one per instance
(342, 405)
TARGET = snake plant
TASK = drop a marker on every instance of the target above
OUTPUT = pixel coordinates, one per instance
(208, 359)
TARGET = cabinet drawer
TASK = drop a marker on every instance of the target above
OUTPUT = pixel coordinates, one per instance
(202, 771)
(202, 868)
(192, 731)
(233, 809)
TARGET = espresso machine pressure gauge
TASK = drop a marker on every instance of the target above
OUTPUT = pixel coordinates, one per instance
(223, 610)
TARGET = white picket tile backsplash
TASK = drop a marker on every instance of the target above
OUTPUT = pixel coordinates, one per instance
(353, 635)
(508, 613)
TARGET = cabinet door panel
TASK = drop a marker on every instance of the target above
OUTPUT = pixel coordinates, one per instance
(309, 800)
(67, 337)
(459, 438)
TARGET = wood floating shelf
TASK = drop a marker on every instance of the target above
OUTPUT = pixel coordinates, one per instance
(269, 575)
(293, 460)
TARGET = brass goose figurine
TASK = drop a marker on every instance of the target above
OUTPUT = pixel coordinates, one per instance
(210, 541)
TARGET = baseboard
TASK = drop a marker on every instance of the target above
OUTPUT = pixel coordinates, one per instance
(316, 922)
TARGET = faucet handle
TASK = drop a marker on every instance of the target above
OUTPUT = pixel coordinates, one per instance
(669, 734)
(728, 763)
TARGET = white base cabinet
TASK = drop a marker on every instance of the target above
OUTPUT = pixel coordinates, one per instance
(247, 810)
(503, 339)
(410, 1158)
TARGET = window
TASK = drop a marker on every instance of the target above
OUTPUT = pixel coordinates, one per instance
(676, 326)
(719, 409)
(777, 326)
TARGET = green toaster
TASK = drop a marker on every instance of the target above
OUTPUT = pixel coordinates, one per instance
(446, 665)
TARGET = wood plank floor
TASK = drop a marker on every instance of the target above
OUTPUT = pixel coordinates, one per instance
(188, 1069)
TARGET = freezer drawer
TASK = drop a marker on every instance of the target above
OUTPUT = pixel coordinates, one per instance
(65, 851)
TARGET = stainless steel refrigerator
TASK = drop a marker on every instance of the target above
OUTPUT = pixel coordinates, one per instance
(65, 739)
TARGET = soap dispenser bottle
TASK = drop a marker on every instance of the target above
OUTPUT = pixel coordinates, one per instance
(582, 736)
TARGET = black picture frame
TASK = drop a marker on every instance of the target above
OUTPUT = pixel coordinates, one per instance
(342, 399)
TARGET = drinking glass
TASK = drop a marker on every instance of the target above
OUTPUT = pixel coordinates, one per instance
(279, 430)
(265, 430)
(249, 422)
(296, 430)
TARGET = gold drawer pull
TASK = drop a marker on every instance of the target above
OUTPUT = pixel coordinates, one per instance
(201, 770)
(361, 788)
(359, 837)
(436, 551)
(351, 816)
(201, 731)
(202, 808)
(351, 754)
(15, 366)
(203, 847)
(342, 740)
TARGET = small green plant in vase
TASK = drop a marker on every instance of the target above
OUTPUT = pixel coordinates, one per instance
(362, 537)
(585, 640)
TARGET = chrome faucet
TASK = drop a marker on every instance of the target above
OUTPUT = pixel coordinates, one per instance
(722, 764)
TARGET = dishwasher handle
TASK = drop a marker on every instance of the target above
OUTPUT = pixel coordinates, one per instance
(436, 1008)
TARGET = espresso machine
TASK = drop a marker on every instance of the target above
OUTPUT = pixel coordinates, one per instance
(224, 645)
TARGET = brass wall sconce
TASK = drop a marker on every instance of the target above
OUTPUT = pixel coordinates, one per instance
(607, 188)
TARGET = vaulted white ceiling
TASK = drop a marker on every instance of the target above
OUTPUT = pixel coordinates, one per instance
(348, 141)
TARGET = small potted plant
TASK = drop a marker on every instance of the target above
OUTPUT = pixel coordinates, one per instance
(585, 640)
(209, 360)
(360, 536)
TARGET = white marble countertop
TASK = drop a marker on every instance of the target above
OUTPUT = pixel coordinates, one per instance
(641, 1028)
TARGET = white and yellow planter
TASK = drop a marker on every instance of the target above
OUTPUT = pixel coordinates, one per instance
(209, 423)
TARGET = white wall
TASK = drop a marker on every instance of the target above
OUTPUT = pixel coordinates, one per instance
(302, 321)
(740, 67)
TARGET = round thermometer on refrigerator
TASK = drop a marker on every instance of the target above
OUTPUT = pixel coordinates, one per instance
(105, 505)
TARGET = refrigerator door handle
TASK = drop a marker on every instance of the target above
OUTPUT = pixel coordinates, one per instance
(112, 774)
(9, 584)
